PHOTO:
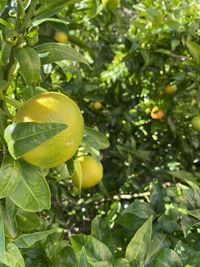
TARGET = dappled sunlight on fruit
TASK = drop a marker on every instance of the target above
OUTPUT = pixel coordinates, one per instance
(48, 108)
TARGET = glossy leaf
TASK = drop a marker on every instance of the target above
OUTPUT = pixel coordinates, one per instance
(93, 247)
(95, 138)
(167, 258)
(187, 223)
(10, 226)
(194, 49)
(195, 213)
(101, 231)
(158, 242)
(32, 192)
(53, 52)
(192, 198)
(141, 209)
(29, 63)
(50, 8)
(83, 261)
(27, 221)
(139, 245)
(187, 177)
(10, 175)
(121, 263)
(23, 137)
(13, 256)
(6, 49)
(27, 240)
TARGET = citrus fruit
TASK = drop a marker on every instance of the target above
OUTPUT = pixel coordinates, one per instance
(97, 105)
(170, 89)
(53, 107)
(92, 172)
(157, 113)
(61, 37)
(196, 123)
(111, 4)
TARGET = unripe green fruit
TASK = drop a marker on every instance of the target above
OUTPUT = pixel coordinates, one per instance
(196, 123)
(32, 37)
(111, 4)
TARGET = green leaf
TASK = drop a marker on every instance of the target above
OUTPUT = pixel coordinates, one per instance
(53, 52)
(101, 231)
(6, 49)
(2, 5)
(50, 8)
(32, 192)
(9, 220)
(121, 263)
(27, 221)
(184, 250)
(158, 242)
(40, 21)
(93, 247)
(78, 172)
(29, 63)
(192, 198)
(187, 177)
(95, 138)
(194, 49)
(187, 223)
(27, 240)
(135, 215)
(141, 209)
(25, 136)
(70, 256)
(193, 260)
(10, 176)
(2, 239)
(83, 261)
(3, 85)
(195, 213)
(13, 256)
(167, 258)
(139, 245)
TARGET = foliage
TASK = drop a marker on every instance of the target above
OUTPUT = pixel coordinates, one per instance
(146, 211)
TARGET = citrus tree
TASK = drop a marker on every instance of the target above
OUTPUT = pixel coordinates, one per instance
(131, 70)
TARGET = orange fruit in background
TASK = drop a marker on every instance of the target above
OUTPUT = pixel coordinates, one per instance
(157, 113)
(61, 37)
(170, 89)
(196, 123)
(91, 172)
(53, 107)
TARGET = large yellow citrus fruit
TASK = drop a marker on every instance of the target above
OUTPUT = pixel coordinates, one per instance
(92, 172)
(196, 123)
(61, 37)
(53, 107)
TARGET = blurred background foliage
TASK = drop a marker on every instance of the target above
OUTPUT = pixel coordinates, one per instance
(134, 51)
